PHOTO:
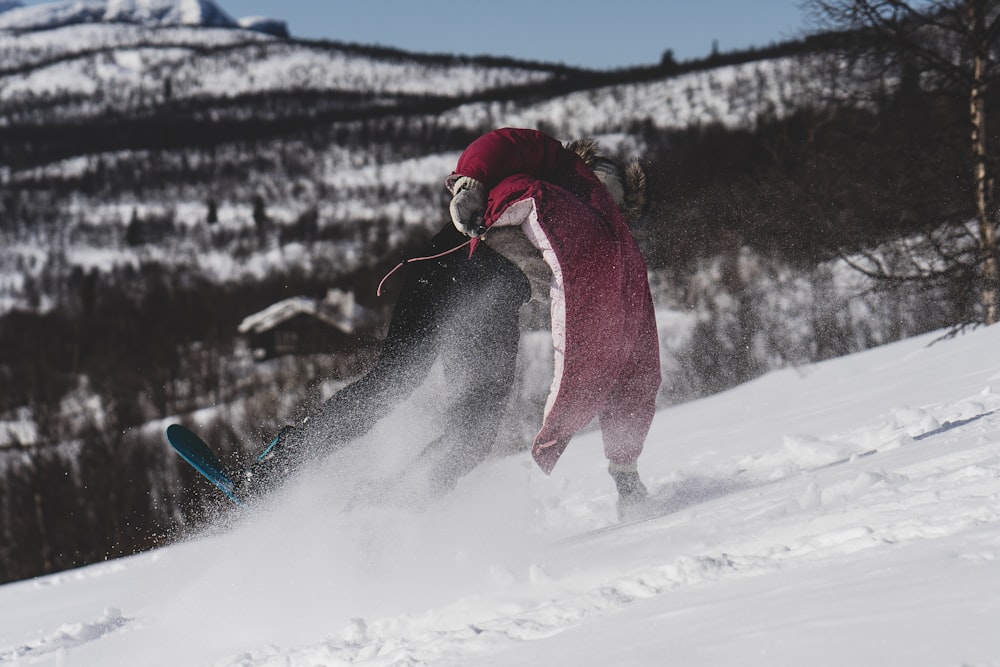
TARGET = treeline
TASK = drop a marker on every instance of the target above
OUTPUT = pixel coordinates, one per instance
(808, 186)
(199, 124)
(132, 332)
(98, 374)
(61, 126)
(109, 493)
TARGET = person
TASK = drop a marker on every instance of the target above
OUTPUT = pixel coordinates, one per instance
(545, 223)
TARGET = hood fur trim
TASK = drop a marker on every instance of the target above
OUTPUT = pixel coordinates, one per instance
(633, 177)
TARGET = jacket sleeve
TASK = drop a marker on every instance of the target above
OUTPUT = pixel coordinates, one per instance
(501, 153)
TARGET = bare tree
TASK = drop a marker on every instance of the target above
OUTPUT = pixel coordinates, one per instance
(954, 42)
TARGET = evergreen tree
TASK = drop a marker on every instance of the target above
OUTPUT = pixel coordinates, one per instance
(212, 217)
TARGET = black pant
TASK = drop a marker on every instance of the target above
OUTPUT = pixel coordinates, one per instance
(464, 311)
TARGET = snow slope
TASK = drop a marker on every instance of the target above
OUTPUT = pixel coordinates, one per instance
(786, 540)
(147, 12)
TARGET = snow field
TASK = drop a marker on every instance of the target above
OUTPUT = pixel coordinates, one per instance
(842, 513)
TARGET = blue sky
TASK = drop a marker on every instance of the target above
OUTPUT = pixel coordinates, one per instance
(613, 33)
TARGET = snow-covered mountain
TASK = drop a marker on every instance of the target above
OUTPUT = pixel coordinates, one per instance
(846, 512)
(52, 15)
(18, 18)
(167, 82)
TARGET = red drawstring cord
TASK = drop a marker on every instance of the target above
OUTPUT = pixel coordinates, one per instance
(378, 292)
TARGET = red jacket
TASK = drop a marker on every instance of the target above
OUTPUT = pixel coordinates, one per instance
(607, 362)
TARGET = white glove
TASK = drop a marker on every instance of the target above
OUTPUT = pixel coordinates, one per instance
(468, 206)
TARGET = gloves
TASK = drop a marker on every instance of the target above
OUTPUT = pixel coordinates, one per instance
(468, 205)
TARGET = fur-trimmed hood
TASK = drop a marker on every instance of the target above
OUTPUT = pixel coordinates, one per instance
(633, 176)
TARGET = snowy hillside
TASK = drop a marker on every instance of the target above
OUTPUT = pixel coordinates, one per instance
(185, 83)
(146, 12)
(840, 513)
(734, 96)
(95, 59)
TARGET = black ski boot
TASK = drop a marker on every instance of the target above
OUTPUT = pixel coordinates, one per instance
(632, 493)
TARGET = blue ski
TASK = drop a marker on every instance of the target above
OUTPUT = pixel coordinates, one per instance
(193, 449)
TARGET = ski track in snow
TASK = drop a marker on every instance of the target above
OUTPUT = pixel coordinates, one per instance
(67, 637)
(854, 518)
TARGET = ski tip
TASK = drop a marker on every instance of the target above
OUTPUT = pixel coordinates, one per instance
(174, 432)
(178, 433)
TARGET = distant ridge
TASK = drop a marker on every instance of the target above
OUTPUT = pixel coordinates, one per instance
(15, 16)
